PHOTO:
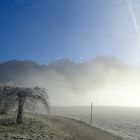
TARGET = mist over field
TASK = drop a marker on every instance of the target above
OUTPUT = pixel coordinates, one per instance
(120, 121)
(70, 69)
(106, 81)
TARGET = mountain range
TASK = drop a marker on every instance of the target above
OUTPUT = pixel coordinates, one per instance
(66, 78)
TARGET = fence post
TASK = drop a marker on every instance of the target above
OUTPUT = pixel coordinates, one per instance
(91, 111)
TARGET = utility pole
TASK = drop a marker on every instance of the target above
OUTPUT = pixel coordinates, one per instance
(91, 111)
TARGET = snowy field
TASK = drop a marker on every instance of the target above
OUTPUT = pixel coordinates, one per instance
(123, 121)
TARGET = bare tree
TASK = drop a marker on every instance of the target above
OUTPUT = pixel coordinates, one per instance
(10, 95)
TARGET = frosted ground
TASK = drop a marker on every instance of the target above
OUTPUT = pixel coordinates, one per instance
(123, 121)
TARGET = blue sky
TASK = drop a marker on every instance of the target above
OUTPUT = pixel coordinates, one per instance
(45, 30)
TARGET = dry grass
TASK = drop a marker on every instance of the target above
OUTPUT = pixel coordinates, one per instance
(53, 128)
(32, 129)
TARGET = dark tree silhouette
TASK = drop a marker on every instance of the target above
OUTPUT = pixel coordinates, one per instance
(11, 95)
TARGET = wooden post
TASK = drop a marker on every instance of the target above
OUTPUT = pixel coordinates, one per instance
(21, 101)
(91, 119)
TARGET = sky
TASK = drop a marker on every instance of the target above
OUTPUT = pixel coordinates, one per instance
(46, 30)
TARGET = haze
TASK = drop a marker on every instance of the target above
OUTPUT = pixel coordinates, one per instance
(46, 31)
